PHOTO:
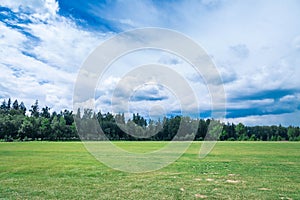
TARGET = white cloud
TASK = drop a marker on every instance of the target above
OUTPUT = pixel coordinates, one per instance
(288, 98)
(126, 79)
(253, 52)
(37, 9)
(263, 40)
(242, 104)
(285, 119)
(47, 64)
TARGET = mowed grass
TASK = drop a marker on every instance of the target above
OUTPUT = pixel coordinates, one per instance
(233, 170)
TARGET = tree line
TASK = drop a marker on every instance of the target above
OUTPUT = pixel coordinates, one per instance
(16, 124)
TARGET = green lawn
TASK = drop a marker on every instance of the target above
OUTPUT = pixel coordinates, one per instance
(233, 170)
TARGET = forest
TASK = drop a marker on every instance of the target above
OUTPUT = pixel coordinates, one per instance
(19, 124)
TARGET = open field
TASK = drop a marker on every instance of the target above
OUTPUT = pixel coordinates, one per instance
(233, 170)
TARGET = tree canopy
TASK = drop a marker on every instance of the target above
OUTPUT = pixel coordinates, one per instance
(16, 125)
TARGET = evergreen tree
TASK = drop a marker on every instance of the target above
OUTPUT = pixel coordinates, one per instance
(15, 105)
(22, 108)
(26, 129)
(68, 116)
(35, 109)
(45, 112)
(3, 106)
(9, 104)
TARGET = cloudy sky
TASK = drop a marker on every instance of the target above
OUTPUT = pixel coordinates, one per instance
(255, 46)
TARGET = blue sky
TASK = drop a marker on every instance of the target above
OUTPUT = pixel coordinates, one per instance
(254, 44)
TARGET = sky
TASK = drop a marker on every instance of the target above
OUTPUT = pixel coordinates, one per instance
(255, 46)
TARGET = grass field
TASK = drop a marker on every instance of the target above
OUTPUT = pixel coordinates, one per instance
(233, 170)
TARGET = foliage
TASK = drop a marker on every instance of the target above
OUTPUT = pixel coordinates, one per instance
(43, 125)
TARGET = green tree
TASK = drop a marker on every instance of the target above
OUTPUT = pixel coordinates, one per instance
(45, 112)
(139, 120)
(45, 128)
(292, 133)
(35, 109)
(3, 107)
(58, 126)
(240, 130)
(9, 104)
(68, 116)
(215, 128)
(15, 109)
(27, 129)
(55, 130)
(22, 108)
(15, 105)
(224, 134)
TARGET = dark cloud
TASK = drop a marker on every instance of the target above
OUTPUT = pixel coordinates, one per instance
(148, 98)
(228, 77)
(285, 101)
(235, 113)
(148, 95)
(43, 82)
(103, 17)
(275, 94)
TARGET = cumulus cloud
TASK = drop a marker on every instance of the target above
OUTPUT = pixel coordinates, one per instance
(41, 52)
(43, 45)
(147, 86)
(284, 119)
